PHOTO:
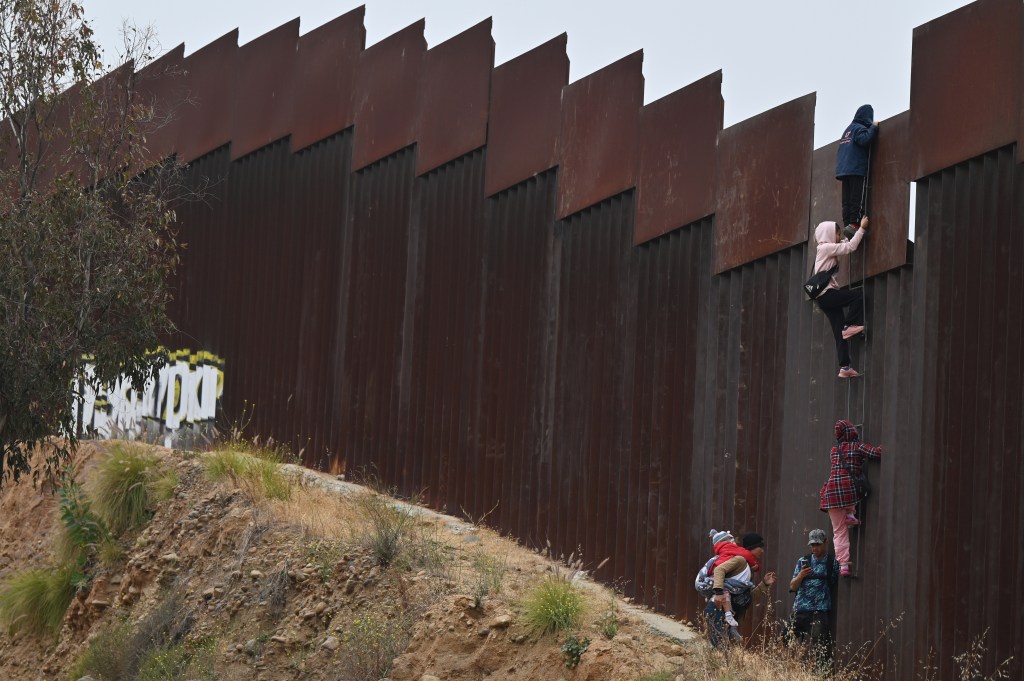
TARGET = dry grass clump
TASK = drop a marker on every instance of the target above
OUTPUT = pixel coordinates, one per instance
(370, 643)
(320, 513)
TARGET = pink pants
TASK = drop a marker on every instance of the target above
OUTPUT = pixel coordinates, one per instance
(840, 533)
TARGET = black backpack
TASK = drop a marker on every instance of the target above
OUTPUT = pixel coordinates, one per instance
(818, 282)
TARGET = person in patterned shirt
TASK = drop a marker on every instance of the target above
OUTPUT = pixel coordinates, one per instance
(838, 495)
(814, 577)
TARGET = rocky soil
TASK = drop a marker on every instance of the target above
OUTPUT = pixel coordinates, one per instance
(288, 590)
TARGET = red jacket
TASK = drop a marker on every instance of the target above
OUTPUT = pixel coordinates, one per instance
(726, 550)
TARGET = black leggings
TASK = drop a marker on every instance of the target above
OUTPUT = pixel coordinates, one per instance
(853, 192)
(832, 302)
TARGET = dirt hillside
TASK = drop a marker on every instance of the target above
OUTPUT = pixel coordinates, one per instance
(231, 580)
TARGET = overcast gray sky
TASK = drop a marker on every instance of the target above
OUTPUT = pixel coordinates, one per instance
(850, 53)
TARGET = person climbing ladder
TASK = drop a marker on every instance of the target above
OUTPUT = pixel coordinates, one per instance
(839, 496)
(853, 162)
(833, 301)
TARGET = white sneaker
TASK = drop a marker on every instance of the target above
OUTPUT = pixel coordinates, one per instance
(730, 619)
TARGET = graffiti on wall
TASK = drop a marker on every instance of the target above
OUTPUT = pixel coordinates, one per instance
(182, 399)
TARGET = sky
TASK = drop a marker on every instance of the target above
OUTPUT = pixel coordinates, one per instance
(770, 53)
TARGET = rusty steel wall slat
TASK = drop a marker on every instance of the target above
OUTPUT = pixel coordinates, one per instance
(264, 90)
(593, 380)
(160, 87)
(386, 95)
(324, 76)
(525, 114)
(518, 356)
(454, 97)
(379, 259)
(210, 77)
(677, 156)
(597, 139)
(764, 183)
(444, 354)
(966, 57)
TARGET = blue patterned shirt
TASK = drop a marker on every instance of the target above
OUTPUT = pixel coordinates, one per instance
(815, 594)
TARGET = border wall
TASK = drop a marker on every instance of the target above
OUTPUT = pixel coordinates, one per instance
(494, 286)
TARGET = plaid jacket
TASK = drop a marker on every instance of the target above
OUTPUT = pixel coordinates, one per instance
(847, 459)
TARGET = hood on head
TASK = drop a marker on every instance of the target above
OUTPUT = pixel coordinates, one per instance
(825, 232)
(846, 432)
(865, 115)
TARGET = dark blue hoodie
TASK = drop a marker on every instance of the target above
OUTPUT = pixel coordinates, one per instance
(852, 158)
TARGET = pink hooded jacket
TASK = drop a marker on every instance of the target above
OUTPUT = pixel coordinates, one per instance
(829, 249)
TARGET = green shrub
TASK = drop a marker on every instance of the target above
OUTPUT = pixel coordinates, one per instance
(122, 487)
(554, 605)
(259, 477)
(573, 649)
(35, 601)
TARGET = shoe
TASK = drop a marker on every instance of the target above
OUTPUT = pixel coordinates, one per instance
(730, 619)
(845, 571)
(852, 520)
(734, 635)
(848, 372)
(851, 331)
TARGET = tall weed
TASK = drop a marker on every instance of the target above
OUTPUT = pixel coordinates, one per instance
(388, 528)
(35, 601)
(121, 490)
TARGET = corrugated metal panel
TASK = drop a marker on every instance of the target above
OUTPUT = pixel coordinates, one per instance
(386, 95)
(454, 97)
(526, 101)
(210, 83)
(324, 75)
(764, 183)
(966, 57)
(678, 154)
(593, 381)
(278, 351)
(264, 90)
(972, 405)
(520, 304)
(597, 141)
(380, 265)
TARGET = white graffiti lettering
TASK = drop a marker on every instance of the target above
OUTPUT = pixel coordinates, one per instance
(185, 392)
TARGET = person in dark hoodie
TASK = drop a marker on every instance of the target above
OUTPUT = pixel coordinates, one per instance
(838, 495)
(852, 164)
(834, 301)
(750, 552)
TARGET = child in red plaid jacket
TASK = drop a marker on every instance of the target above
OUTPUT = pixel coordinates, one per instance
(838, 495)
